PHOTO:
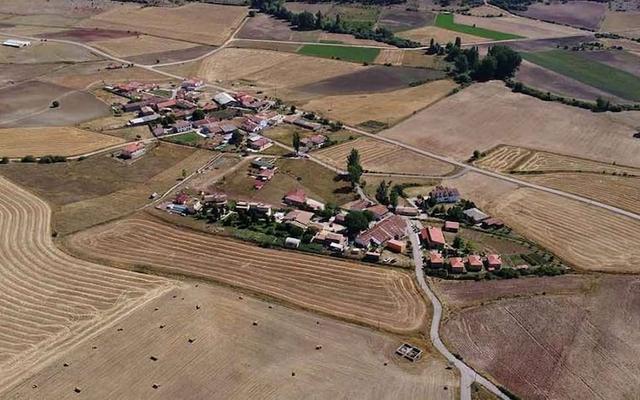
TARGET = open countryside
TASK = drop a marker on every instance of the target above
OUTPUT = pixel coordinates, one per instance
(251, 199)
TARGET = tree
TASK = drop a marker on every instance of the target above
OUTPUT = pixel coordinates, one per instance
(354, 169)
(461, 64)
(55, 104)
(458, 243)
(184, 173)
(306, 21)
(28, 159)
(198, 115)
(458, 42)
(319, 20)
(236, 138)
(382, 192)
(353, 158)
(4, 160)
(393, 198)
(507, 61)
(356, 222)
(486, 69)
(296, 141)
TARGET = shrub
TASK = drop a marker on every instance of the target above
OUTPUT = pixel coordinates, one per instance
(4, 160)
(28, 159)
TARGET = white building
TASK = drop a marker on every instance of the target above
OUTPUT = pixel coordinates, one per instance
(16, 43)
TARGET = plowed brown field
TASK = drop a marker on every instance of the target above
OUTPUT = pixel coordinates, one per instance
(377, 156)
(379, 297)
(50, 301)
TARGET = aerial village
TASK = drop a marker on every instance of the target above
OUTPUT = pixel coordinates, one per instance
(234, 123)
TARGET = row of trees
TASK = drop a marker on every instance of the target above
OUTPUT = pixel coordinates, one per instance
(306, 21)
(501, 62)
(387, 194)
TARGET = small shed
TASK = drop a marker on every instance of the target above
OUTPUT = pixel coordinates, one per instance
(397, 246)
(292, 243)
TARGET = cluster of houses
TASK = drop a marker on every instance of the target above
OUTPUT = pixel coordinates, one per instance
(434, 240)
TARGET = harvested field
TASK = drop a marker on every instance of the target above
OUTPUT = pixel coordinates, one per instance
(622, 60)
(45, 52)
(372, 80)
(502, 117)
(377, 156)
(625, 23)
(230, 357)
(85, 193)
(399, 18)
(50, 301)
(379, 297)
(318, 182)
(390, 57)
(602, 76)
(11, 74)
(520, 160)
(547, 80)
(618, 191)
(563, 226)
(386, 108)
(486, 11)
(577, 346)
(264, 27)
(88, 35)
(486, 243)
(142, 44)
(580, 14)
(420, 60)
(88, 75)
(518, 26)
(457, 294)
(533, 45)
(262, 69)
(27, 104)
(71, 8)
(66, 141)
(286, 47)
(194, 22)
(425, 34)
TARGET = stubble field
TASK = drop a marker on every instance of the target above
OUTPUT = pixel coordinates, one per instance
(194, 22)
(383, 298)
(49, 300)
(493, 115)
(566, 346)
(66, 141)
(518, 26)
(377, 156)
(231, 358)
(581, 14)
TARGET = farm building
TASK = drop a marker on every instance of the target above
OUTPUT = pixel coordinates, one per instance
(18, 44)
(307, 124)
(263, 163)
(292, 243)
(397, 246)
(356, 205)
(266, 175)
(492, 223)
(133, 151)
(378, 211)
(435, 259)
(433, 237)
(392, 227)
(191, 84)
(451, 226)
(298, 218)
(474, 263)
(314, 205)
(296, 197)
(494, 262)
(313, 142)
(327, 238)
(205, 121)
(216, 199)
(143, 120)
(259, 143)
(262, 208)
(456, 265)
(181, 126)
(408, 211)
(224, 99)
(475, 215)
(442, 194)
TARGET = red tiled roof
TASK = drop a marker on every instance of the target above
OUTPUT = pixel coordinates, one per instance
(451, 225)
(389, 228)
(494, 259)
(296, 196)
(435, 258)
(435, 235)
(474, 259)
(456, 263)
(378, 210)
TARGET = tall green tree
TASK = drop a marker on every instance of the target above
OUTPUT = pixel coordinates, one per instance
(507, 61)
(354, 168)
(382, 192)
(393, 198)
(296, 141)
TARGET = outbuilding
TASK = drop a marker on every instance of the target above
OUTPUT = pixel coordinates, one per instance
(397, 246)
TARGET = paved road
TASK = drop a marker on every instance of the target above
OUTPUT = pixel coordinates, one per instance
(499, 176)
(467, 374)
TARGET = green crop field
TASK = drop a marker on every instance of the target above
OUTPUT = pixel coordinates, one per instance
(189, 138)
(347, 53)
(571, 64)
(446, 21)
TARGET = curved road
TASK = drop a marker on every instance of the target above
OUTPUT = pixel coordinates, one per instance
(467, 374)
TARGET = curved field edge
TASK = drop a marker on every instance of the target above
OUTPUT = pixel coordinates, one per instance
(50, 301)
(383, 298)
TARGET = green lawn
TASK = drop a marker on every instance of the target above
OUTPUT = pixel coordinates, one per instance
(189, 138)
(446, 21)
(611, 80)
(347, 53)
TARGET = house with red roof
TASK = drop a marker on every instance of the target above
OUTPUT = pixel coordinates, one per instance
(433, 237)
(379, 211)
(392, 227)
(296, 197)
(132, 151)
(436, 260)
(474, 263)
(494, 262)
(451, 226)
(456, 265)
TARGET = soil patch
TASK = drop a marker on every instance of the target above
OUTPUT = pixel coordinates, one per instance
(618, 59)
(581, 14)
(398, 18)
(87, 34)
(371, 80)
(171, 56)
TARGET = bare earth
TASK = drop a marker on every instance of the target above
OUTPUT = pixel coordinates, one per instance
(379, 297)
(379, 156)
(519, 26)
(49, 300)
(627, 23)
(581, 14)
(443, 36)
(62, 141)
(576, 346)
(493, 115)
(231, 358)
(136, 45)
